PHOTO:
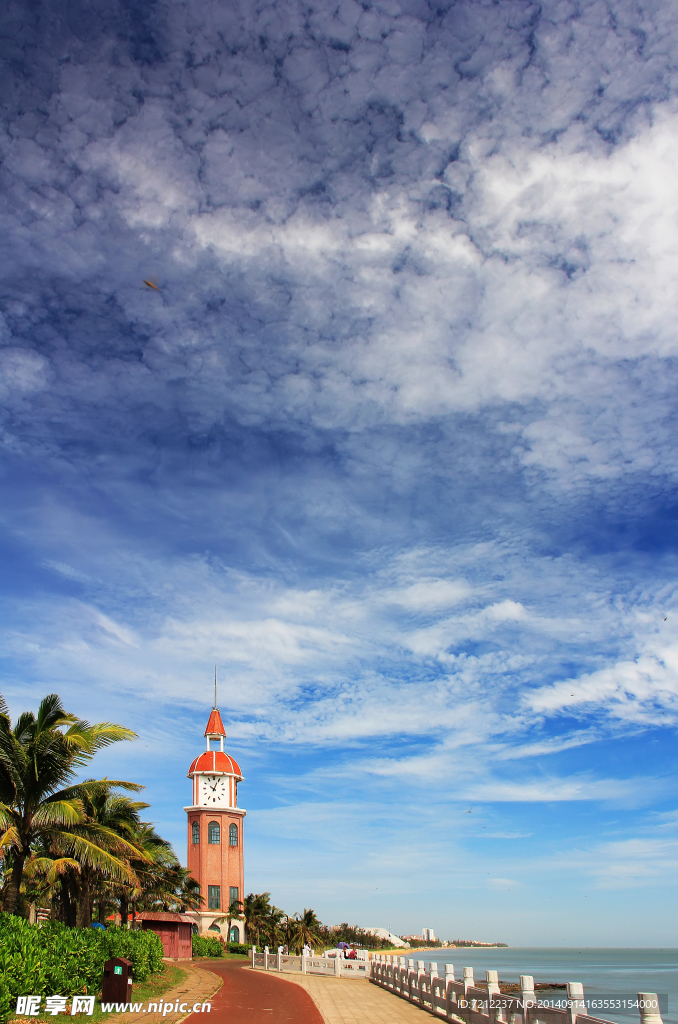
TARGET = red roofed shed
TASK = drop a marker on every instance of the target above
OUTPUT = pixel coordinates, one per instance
(173, 930)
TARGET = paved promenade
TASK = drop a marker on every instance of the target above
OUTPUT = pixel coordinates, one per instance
(249, 997)
(349, 1001)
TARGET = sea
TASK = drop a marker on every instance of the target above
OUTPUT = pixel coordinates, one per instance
(614, 975)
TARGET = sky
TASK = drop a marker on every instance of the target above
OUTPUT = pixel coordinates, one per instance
(392, 446)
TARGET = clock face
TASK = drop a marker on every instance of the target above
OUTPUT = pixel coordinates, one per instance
(214, 789)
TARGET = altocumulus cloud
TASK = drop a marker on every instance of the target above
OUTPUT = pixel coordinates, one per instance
(393, 441)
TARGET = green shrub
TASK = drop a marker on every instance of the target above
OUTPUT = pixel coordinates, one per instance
(207, 945)
(238, 947)
(55, 960)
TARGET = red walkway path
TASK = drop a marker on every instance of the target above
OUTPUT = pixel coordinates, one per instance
(249, 997)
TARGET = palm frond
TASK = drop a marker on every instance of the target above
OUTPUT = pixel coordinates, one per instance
(89, 853)
(10, 837)
(50, 868)
(59, 812)
(51, 714)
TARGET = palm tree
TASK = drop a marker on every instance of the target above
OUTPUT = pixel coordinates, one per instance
(166, 885)
(115, 818)
(256, 909)
(150, 888)
(304, 928)
(276, 926)
(39, 757)
(235, 911)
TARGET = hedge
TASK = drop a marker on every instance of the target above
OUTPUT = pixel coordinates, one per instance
(55, 960)
(207, 945)
(238, 947)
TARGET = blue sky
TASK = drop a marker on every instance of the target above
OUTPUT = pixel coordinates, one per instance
(393, 446)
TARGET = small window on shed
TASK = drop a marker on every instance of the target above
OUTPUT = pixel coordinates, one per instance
(214, 833)
(233, 835)
(196, 833)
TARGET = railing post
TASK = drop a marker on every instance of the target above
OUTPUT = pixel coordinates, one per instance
(432, 975)
(492, 979)
(265, 958)
(494, 1012)
(421, 971)
(468, 983)
(254, 949)
(411, 976)
(303, 964)
(575, 999)
(278, 961)
(450, 994)
(649, 1008)
(527, 996)
(337, 967)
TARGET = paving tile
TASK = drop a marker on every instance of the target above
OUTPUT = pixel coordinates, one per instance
(355, 1001)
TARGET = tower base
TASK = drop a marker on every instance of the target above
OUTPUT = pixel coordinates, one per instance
(205, 922)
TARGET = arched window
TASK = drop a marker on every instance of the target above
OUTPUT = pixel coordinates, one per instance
(233, 835)
(213, 833)
(196, 833)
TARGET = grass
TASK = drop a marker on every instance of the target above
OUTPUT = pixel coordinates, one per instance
(144, 992)
(157, 984)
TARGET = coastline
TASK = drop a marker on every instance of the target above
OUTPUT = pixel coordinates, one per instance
(400, 951)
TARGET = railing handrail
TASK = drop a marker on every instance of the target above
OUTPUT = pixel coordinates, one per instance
(326, 966)
(464, 1001)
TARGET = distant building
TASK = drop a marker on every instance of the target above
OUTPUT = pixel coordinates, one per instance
(384, 933)
(428, 935)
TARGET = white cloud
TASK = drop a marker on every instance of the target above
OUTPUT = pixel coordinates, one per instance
(644, 689)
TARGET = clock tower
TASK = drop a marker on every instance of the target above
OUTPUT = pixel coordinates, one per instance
(215, 833)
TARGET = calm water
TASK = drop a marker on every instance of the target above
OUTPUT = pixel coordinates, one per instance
(601, 971)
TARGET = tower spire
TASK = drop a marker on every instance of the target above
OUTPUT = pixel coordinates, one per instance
(215, 686)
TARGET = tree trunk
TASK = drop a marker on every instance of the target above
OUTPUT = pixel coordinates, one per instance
(68, 899)
(84, 911)
(11, 902)
(124, 911)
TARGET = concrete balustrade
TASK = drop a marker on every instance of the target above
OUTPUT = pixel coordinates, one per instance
(466, 1002)
(327, 966)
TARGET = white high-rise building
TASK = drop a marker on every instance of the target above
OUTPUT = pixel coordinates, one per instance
(428, 935)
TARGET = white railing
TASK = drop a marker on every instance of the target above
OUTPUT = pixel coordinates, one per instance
(332, 967)
(444, 996)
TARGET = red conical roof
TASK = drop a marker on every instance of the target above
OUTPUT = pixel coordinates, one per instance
(215, 727)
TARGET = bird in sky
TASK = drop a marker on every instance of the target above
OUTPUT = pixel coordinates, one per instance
(151, 285)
